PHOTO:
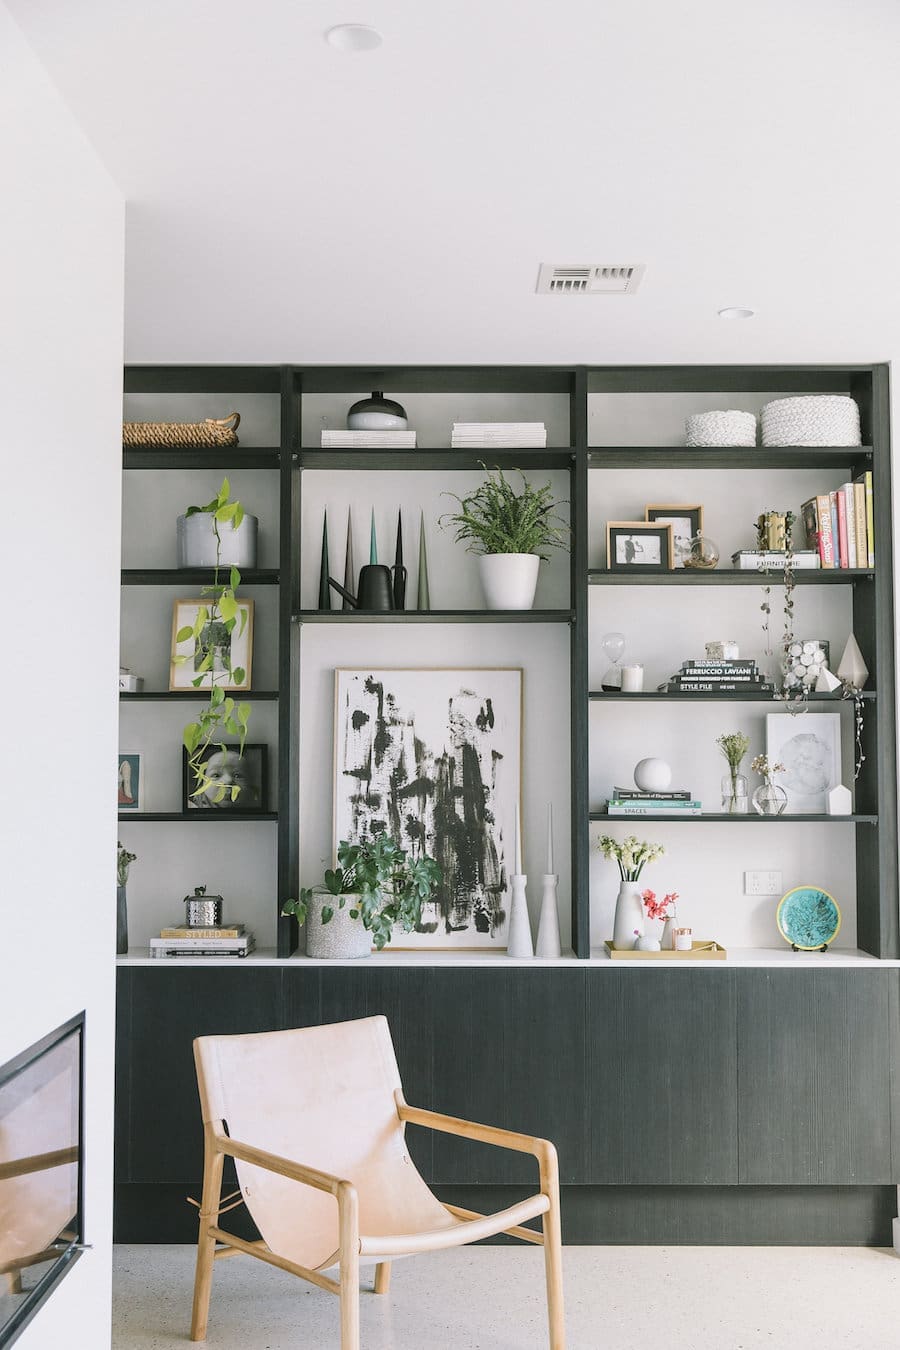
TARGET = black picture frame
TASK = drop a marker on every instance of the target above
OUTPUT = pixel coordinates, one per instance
(658, 546)
(252, 768)
(676, 513)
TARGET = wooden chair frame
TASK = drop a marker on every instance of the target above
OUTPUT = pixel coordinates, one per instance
(218, 1145)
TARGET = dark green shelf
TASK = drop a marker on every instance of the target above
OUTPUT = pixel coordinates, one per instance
(726, 576)
(751, 818)
(198, 816)
(192, 695)
(165, 457)
(420, 458)
(437, 616)
(730, 457)
(193, 576)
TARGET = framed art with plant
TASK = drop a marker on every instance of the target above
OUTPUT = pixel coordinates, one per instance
(226, 777)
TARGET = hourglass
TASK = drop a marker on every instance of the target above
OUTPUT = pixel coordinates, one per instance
(613, 645)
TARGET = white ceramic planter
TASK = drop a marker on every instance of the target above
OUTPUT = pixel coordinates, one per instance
(509, 580)
(341, 938)
(196, 540)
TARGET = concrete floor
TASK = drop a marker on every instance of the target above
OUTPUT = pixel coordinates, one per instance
(492, 1298)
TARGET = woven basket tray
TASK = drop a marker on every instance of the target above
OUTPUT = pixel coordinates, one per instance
(213, 431)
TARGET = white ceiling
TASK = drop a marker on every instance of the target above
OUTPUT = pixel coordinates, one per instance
(290, 202)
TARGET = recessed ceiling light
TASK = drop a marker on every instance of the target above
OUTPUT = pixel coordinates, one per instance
(353, 37)
(736, 312)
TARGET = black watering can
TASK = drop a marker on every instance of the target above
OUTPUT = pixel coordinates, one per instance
(376, 589)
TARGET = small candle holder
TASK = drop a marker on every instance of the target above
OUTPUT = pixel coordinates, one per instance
(632, 679)
(684, 939)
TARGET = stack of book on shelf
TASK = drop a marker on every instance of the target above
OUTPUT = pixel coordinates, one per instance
(754, 559)
(231, 939)
(633, 802)
(741, 678)
(840, 525)
(467, 435)
(369, 440)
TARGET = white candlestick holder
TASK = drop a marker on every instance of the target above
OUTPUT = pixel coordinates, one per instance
(519, 944)
(548, 943)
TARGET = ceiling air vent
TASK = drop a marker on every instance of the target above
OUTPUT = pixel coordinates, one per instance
(591, 279)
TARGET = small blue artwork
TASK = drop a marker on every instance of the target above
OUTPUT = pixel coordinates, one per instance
(808, 918)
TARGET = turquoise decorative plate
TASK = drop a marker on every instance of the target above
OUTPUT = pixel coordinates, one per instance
(808, 918)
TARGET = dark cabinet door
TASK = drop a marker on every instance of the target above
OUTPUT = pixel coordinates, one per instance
(663, 1086)
(166, 1010)
(509, 1050)
(815, 1058)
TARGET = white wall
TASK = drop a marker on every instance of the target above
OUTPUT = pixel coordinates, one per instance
(61, 267)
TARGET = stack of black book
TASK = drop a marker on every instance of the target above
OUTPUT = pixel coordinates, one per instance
(741, 678)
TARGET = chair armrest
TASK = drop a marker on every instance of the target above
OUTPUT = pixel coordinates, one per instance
(285, 1167)
(485, 1134)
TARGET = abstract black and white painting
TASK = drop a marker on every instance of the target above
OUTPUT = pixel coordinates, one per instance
(434, 758)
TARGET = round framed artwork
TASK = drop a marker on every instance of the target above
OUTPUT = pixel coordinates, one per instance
(808, 918)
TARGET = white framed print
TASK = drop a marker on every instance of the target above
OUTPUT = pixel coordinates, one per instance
(232, 649)
(809, 747)
(434, 758)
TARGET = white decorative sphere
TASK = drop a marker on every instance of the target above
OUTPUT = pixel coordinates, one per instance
(652, 775)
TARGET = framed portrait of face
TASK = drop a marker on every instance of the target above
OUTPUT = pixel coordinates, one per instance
(234, 647)
(686, 522)
(238, 782)
(638, 544)
(131, 782)
(809, 747)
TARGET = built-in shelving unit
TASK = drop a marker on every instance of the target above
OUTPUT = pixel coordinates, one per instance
(288, 404)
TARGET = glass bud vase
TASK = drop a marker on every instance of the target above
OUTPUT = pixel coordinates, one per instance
(735, 794)
(121, 922)
(769, 799)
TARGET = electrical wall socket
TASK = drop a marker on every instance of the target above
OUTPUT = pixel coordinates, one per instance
(762, 883)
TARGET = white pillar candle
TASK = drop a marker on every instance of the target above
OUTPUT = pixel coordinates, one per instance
(549, 838)
(632, 679)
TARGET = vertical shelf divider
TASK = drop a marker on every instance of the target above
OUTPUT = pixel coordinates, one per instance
(580, 709)
(288, 662)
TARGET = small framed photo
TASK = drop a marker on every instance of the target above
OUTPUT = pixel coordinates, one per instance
(686, 522)
(131, 782)
(637, 544)
(239, 781)
(809, 747)
(187, 656)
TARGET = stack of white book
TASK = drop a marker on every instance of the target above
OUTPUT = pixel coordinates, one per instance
(485, 434)
(369, 440)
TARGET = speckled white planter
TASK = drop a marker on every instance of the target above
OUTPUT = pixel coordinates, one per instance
(341, 938)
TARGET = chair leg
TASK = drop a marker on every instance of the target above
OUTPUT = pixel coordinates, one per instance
(213, 1165)
(553, 1250)
(382, 1277)
(348, 1225)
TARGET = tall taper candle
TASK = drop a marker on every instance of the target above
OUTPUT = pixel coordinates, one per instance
(373, 542)
(549, 837)
(349, 578)
(423, 599)
(399, 569)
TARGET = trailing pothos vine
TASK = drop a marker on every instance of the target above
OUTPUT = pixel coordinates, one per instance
(796, 701)
(222, 615)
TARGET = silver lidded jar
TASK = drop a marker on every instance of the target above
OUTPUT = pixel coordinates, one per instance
(203, 911)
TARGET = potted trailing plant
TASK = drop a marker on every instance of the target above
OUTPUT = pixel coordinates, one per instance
(734, 746)
(632, 856)
(220, 617)
(510, 531)
(375, 887)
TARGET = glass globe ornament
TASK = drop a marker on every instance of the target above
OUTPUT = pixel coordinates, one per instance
(613, 647)
(703, 553)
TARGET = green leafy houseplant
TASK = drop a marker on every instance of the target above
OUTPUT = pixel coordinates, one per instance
(387, 887)
(210, 635)
(494, 518)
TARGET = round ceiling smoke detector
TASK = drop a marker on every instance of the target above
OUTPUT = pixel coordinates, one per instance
(736, 312)
(353, 37)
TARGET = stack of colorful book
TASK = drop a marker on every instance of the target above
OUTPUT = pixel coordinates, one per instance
(840, 525)
(741, 678)
(231, 939)
(633, 802)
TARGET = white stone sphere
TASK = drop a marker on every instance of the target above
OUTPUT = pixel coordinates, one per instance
(652, 775)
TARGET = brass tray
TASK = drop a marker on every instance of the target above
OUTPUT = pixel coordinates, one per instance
(700, 951)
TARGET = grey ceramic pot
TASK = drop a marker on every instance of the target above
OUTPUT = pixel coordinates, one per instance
(342, 938)
(196, 542)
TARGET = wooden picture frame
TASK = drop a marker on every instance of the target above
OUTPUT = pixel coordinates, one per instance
(686, 522)
(249, 770)
(641, 540)
(182, 674)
